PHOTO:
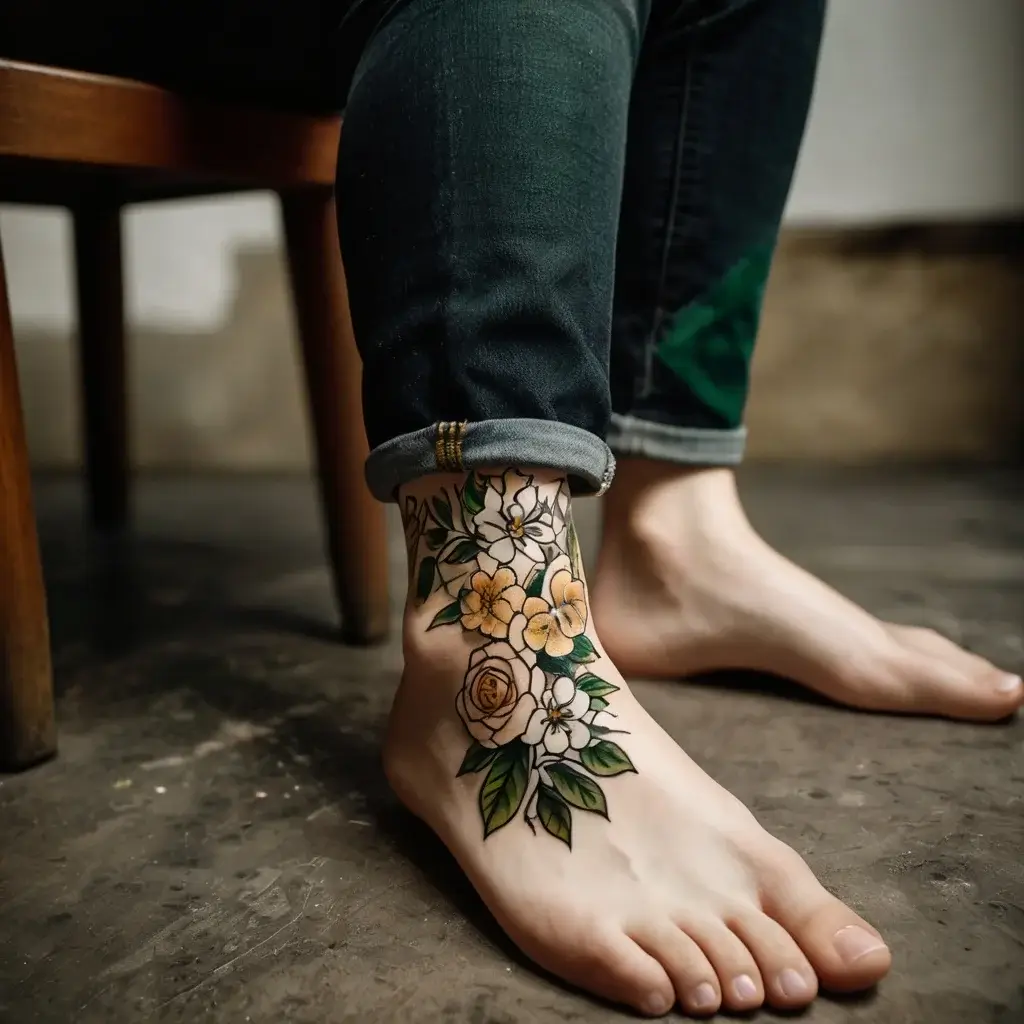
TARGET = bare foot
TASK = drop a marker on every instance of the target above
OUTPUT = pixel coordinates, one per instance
(684, 585)
(607, 855)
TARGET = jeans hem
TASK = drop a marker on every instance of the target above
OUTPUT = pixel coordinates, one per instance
(690, 446)
(525, 443)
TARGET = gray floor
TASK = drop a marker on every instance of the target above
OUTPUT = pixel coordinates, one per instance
(216, 843)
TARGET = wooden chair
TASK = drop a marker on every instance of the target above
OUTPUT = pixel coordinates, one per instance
(94, 144)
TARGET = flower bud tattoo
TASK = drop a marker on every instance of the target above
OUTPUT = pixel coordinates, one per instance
(504, 551)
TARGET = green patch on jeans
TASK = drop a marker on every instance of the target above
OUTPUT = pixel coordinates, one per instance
(709, 343)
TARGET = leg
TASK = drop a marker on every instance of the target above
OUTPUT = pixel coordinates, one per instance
(27, 732)
(456, 314)
(480, 175)
(357, 537)
(714, 139)
(101, 356)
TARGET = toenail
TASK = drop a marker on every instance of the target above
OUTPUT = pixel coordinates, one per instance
(657, 1005)
(853, 942)
(1009, 684)
(704, 997)
(793, 984)
(744, 988)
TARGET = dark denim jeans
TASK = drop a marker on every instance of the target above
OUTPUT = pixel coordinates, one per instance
(558, 217)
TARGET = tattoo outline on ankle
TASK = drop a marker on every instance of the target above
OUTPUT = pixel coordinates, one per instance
(503, 547)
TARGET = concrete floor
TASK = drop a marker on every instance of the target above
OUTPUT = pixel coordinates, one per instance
(216, 843)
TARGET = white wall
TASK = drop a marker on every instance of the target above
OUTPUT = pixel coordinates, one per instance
(179, 260)
(916, 115)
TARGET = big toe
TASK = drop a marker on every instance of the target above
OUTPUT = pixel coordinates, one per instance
(845, 951)
(975, 691)
(952, 681)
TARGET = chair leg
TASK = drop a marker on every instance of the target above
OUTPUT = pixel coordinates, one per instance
(101, 354)
(355, 522)
(27, 732)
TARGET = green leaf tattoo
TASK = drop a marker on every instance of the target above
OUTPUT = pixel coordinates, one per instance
(503, 564)
(446, 616)
(477, 758)
(464, 551)
(554, 815)
(575, 788)
(595, 686)
(425, 578)
(606, 758)
(583, 650)
(473, 495)
(505, 786)
(575, 559)
(535, 587)
(555, 666)
(436, 536)
(443, 512)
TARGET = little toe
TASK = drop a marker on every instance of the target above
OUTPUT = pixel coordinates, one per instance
(695, 981)
(845, 951)
(620, 971)
(738, 975)
(789, 979)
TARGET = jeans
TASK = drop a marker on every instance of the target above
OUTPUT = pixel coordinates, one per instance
(557, 216)
(558, 219)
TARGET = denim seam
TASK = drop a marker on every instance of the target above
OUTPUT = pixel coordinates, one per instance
(683, 17)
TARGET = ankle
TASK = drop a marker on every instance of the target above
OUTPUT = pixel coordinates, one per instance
(483, 549)
(504, 679)
(653, 503)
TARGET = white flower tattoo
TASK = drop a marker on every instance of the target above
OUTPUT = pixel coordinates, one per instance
(514, 519)
(558, 724)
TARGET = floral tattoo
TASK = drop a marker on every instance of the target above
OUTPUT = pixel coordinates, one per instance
(503, 548)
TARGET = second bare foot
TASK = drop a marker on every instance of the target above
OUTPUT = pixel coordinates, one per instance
(684, 585)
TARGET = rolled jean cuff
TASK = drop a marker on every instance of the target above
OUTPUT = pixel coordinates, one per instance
(459, 447)
(688, 446)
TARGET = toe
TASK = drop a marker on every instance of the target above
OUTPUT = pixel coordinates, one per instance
(845, 951)
(789, 979)
(611, 966)
(942, 687)
(694, 978)
(932, 642)
(738, 976)
(952, 681)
